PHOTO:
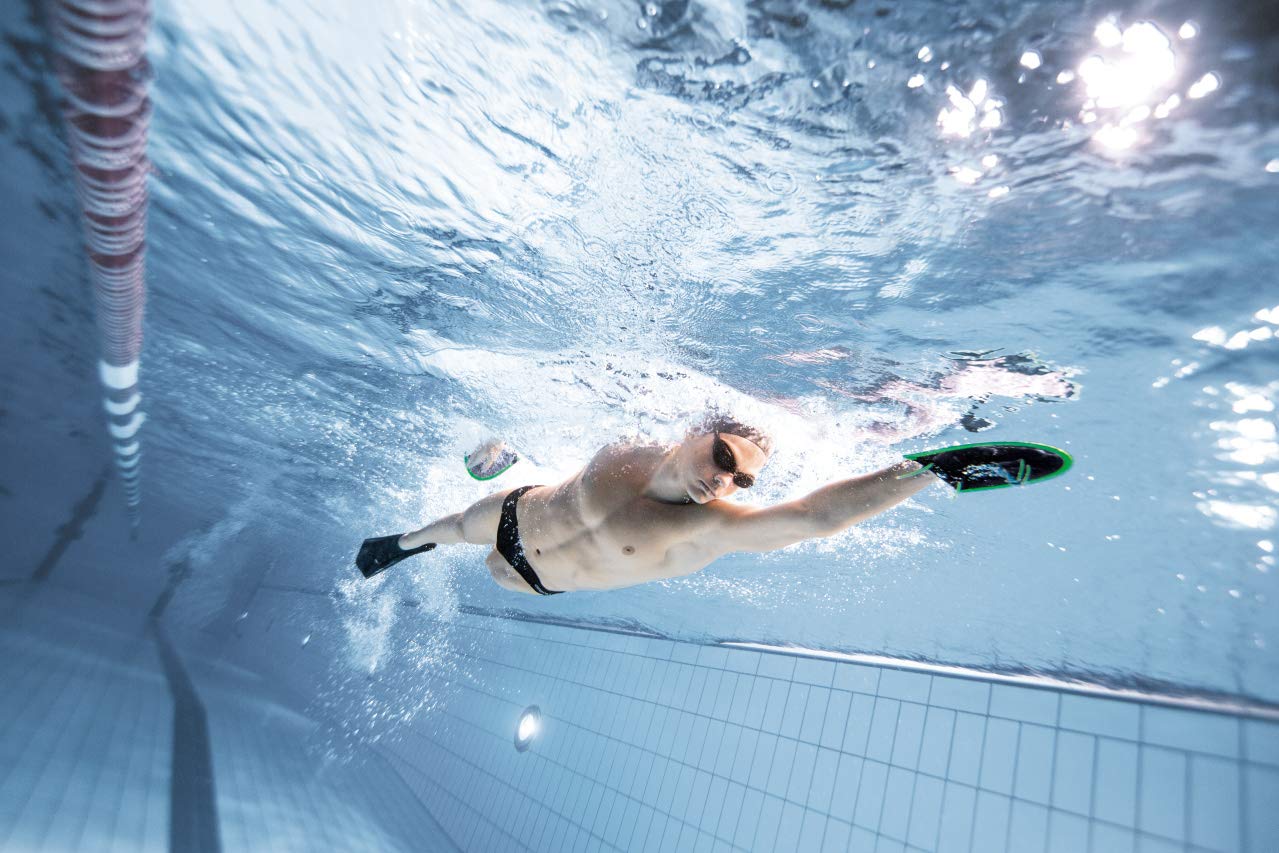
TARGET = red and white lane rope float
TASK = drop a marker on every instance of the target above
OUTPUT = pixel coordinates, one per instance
(100, 49)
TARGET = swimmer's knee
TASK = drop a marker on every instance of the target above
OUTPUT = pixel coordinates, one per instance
(501, 573)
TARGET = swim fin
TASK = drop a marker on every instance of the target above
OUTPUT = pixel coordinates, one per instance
(380, 553)
(490, 460)
(994, 465)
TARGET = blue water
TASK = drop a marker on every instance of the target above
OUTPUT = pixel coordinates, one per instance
(381, 232)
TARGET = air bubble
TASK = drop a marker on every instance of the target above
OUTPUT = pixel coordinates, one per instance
(310, 174)
(396, 221)
(781, 183)
(701, 213)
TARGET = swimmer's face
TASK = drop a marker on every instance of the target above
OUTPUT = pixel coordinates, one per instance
(717, 465)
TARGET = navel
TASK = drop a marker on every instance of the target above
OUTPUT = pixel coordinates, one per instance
(628, 549)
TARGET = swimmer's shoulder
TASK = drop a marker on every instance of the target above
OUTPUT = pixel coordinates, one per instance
(623, 460)
(617, 473)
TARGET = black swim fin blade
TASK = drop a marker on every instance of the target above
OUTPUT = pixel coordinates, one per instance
(380, 553)
(995, 464)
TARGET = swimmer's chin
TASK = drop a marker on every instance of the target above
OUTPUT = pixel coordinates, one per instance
(697, 495)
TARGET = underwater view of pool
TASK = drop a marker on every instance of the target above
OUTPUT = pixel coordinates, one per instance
(373, 237)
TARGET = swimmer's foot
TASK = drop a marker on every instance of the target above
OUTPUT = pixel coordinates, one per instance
(380, 553)
(994, 465)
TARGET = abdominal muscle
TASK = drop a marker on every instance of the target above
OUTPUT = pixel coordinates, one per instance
(626, 539)
(590, 559)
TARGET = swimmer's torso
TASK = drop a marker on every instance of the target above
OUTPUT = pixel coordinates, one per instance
(597, 529)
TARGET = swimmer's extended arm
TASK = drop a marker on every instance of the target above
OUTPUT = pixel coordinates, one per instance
(825, 512)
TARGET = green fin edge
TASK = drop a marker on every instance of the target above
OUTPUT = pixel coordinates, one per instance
(1066, 457)
(466, 458)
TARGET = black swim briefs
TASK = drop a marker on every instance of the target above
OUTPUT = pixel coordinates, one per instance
(510, 547)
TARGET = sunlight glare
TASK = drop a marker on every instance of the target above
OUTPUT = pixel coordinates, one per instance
(1208, 83)
(1148, 63)
(1107, 34)
(960, 118)
(1116, 138)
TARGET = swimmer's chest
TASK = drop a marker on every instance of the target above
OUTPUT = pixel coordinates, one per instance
(649, 537)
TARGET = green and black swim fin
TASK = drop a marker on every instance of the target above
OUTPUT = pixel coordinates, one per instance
(994, 465)
(490, 459)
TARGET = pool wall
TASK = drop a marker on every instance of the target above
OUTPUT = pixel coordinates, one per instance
(652, 744)
(646, 744)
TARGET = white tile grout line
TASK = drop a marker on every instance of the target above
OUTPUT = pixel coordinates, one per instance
(1238, 707)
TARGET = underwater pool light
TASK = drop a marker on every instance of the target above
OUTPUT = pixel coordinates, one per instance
(529, 725)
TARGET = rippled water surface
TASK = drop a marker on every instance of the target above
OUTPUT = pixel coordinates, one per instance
(381, 232)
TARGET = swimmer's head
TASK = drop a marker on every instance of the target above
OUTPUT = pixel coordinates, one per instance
(725, 425)
(721, 455)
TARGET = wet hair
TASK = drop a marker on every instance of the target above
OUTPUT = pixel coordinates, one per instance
(715, 422)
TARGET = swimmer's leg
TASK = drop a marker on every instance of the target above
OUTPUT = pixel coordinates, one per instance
(476, 525)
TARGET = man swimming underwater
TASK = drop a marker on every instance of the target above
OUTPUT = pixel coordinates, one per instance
(639, 513)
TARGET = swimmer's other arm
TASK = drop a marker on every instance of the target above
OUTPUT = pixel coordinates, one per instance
(825, 512)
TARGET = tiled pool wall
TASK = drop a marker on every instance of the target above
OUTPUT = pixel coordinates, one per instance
(649, 744)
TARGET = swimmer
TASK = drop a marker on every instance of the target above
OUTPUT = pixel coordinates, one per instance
(638, 513)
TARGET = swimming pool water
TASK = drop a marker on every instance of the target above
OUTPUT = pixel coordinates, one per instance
(379, 235)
